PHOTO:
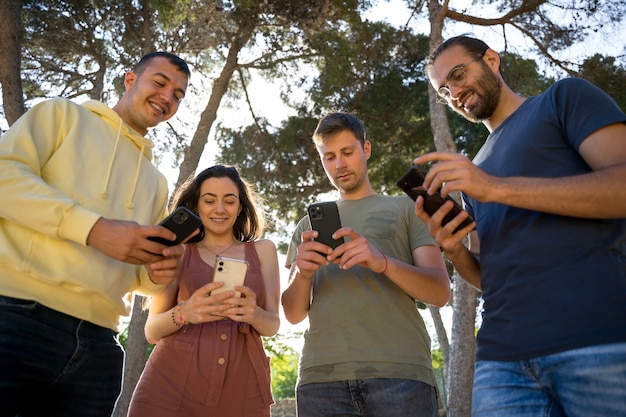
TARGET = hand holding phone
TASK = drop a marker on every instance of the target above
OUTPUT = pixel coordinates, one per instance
(182, 222)
(324, 217)
(411, 184)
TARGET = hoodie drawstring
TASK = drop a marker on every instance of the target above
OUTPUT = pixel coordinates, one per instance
(104, 194)
(130, 203)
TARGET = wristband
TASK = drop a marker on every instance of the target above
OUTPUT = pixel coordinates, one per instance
(386, 263)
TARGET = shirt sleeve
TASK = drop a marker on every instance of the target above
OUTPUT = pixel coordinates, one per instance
(583, 108)
(296, 239)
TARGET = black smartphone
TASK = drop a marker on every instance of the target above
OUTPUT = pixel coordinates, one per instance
(181, 221)
(324, 218)
(411, 184)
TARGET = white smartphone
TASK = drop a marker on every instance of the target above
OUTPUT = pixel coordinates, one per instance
(231, 272)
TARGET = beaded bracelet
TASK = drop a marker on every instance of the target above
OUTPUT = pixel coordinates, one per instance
(177, 313)
(174, 318)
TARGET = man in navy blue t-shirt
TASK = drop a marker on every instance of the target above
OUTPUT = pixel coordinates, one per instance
(549, 250)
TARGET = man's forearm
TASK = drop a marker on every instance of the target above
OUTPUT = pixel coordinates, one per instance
(467, 266)
(296, 298)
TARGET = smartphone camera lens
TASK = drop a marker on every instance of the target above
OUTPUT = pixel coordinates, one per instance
(180, 217)
(316, 213)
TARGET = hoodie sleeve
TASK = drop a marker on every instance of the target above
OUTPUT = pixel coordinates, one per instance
(28, 199)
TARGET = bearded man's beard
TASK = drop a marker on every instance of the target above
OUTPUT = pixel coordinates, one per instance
(488, 97)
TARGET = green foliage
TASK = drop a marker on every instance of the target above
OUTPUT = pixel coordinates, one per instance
(437, 358)
(284, 364)
(522, 75)
(603, 72)
(82, 47)
(50, 66)
(171, 13)
(284, 373)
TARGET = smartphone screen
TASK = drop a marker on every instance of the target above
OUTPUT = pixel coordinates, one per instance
(324, 218)
(411, 184)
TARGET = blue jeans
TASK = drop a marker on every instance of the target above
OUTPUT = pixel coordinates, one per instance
(54, 365)
(586, 382)
(376, 397)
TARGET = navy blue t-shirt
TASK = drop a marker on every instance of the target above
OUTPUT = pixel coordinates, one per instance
(550, 283)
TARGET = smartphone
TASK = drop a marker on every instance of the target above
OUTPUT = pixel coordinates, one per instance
(231, 272)
(411, 184)
(324, 218)
(181, 221)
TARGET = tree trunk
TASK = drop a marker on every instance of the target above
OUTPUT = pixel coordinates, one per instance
(442, 337)
(462, 350)
(135, 358)
(444, 346)
(462, 346)
(10, 64)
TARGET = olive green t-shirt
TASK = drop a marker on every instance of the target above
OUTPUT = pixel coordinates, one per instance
(361, 324)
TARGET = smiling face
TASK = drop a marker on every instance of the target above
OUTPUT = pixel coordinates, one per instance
(479, 95)
(345, 161)
(153, 95)
(219, 205)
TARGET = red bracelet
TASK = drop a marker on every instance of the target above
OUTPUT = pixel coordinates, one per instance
(384, 270)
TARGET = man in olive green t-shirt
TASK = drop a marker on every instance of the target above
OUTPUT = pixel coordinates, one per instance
(366, 350)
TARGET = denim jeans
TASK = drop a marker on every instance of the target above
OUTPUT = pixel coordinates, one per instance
(54, 365)
(586, 382)
(377, 397)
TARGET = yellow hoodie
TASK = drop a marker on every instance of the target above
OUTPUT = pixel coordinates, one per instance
(62, 167)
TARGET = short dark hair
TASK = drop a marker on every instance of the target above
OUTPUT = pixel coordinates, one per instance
(250, 223)
(337, 121)
(177, 61)
(472, 46)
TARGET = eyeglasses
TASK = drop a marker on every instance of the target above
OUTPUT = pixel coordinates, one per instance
(456, 78)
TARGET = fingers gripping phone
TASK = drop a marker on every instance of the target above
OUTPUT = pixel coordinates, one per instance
(231, 272)
(182, 222)
(324, 218)
(411, 183)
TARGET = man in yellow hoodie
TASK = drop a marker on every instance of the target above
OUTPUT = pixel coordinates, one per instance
(80, 199)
